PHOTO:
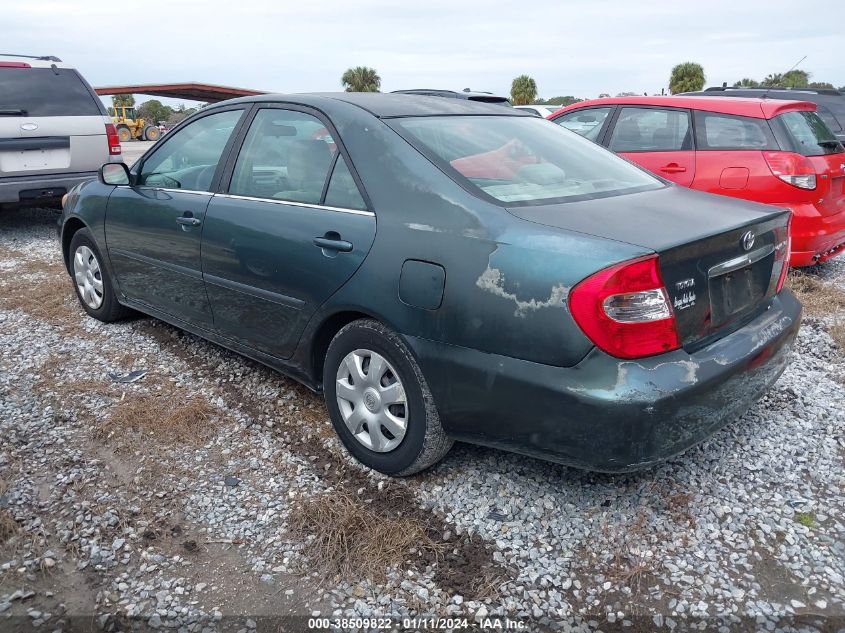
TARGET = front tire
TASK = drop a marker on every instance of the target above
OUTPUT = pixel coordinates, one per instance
(379, 402)
(124, 134)
(92, 281)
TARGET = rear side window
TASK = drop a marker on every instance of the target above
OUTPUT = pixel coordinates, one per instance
(807, 134)
(587, 122)
(36, 92)
(727, 132)
(342, 191)
(651, 130)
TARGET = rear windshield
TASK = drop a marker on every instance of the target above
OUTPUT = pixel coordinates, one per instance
(808, 134)
(46, 92)
(523, 160)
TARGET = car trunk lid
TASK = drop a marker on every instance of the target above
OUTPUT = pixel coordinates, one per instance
(720, 258)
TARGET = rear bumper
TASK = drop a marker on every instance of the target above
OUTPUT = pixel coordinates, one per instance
(607, 414)
(41, 186)
(815, 237)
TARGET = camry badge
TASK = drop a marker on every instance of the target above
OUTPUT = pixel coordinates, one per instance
(29, 127)
(747, 240)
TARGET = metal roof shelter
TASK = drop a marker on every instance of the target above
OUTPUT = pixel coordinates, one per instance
(193, 91)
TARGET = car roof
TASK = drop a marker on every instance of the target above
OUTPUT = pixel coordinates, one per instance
(715, 90)
(755, 108)
(463, 94)
(387, 105)
(34, 61)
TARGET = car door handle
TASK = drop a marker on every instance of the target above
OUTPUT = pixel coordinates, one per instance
(333, 244)
(186, 221)
(673, 168)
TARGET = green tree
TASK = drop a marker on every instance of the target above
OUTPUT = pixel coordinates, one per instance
(774, 79)
(796, 79)
(745, 82)
(558, 101)
(821, 84)
(523, 90)
(361, 79)
(154, 111)
(686, 77)
(123, 100)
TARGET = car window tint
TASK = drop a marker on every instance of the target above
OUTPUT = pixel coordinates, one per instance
(286, 155)
(829, 119)
(342, 191)
(189, 156)
(47, 92)
(651, 130)
(728, 132)
(587, 122)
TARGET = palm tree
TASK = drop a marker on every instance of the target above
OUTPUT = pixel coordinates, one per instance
(123, 100)
(774, 79)
(523, 90)
(686, 77)
(361, 79)
(745, 82)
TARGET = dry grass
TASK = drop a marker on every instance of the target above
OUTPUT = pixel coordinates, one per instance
(819, 297)
(8, 526)
(837, 333)
(165, 417)
(350, 539)
(47, 297)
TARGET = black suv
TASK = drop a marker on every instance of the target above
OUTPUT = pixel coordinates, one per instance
(484, 97)
(831, 103)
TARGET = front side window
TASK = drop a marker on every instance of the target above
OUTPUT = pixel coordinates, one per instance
(716, 131)
(587, 122)
(189, 158)
(651, 130)
(807, 134)
(522, 160)
(286, 155)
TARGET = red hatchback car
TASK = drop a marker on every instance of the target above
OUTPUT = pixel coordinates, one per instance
(775, 152)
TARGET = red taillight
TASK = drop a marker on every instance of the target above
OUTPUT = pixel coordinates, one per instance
(792, 168)
(114, 139)
(625, 310)
(14, 65)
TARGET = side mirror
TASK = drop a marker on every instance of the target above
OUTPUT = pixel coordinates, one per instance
(114, 174)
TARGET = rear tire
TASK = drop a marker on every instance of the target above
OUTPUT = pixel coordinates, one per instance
(151, 133)
(92, 279)
(124, 133)
(408, 436)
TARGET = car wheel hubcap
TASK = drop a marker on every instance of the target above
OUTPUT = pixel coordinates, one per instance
(88, 277)
(372, 400)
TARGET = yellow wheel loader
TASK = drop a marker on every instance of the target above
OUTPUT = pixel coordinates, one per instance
(129, 126)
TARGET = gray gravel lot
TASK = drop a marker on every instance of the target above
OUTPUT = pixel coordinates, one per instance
(168, 502)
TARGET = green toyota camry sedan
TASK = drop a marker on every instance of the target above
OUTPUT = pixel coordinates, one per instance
(446, 270)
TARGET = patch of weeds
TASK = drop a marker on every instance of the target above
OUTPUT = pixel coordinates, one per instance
(8, 526)
(165, 417)
(819, 297)
(348, 537)
(806, 519)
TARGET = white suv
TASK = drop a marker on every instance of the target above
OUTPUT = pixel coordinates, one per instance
(54, 130)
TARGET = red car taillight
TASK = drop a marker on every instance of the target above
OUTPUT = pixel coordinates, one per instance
(14, 65)
(114, 139)
(625, 310)
(792, 168)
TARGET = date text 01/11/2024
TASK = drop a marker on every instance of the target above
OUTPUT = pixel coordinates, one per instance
(416, 624)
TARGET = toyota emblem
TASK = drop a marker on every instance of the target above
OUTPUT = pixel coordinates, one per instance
(747, 240)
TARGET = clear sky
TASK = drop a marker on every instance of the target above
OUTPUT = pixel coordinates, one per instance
(570, 47)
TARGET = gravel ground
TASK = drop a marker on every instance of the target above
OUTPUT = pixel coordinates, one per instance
(177, 501)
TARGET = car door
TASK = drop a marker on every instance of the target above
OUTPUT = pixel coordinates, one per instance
(154, 225)
(659, 139)
(588, 122)
(291, 228)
